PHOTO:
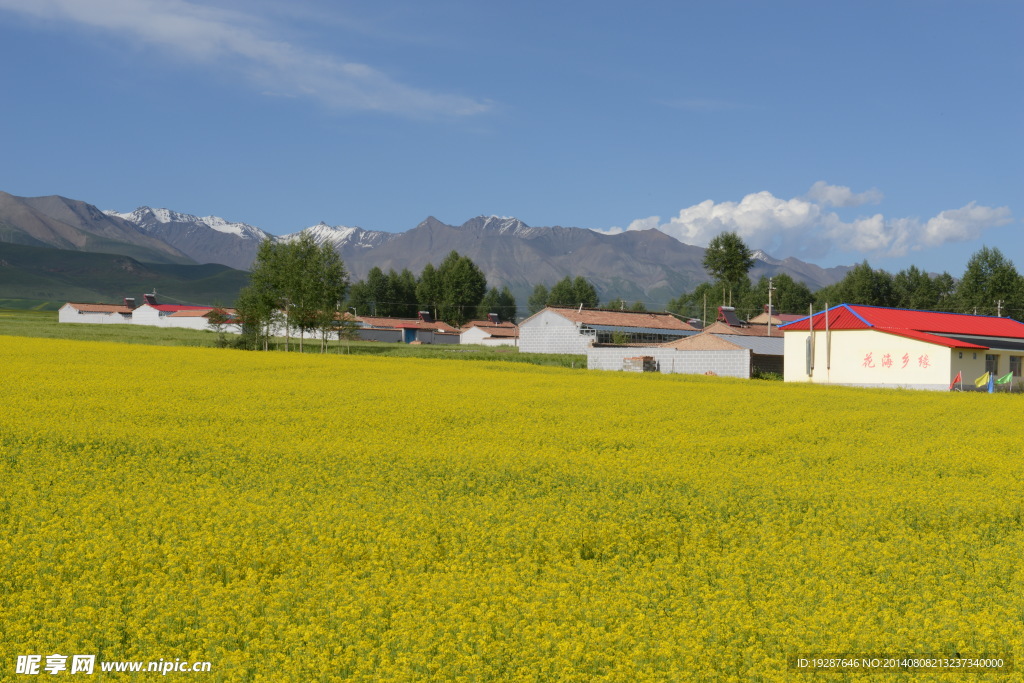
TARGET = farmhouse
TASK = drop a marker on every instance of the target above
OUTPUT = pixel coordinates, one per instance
(95, 313)
(720, 349)
(170, 315)
(571, 330)
(490, 332)
(871, 346)
(422, 330)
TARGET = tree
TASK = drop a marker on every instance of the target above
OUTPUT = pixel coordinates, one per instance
(382, 296)
(347, 329)
(914, 288)
(218, 319)
(502, 303)
(403, 285)
(789, 296)
(538, 299)
(428, 289)
(990, 278)
(462, 285)
(260, 302)
(306, 281)
(573, 292)
(616, 304)
(728, 260)
(862, 285)
(327, 283)
(703, 302)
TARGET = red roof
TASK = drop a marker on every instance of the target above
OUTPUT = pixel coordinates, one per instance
(924, 325)
(173, 308)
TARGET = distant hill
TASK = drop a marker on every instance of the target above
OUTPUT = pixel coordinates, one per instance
(71, 224)
(48, 274)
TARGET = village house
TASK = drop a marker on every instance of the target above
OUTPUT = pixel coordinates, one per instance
(872, 346)
(572, 330)
(420, 330)
(490, 332)
(96, 313)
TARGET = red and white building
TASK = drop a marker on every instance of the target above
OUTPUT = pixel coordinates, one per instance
(872, 346)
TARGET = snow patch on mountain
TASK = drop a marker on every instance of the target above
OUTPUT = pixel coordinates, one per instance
(341, 236)
(500, 225)
(148, 219)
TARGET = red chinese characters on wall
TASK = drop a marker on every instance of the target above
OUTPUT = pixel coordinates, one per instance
(887, 361)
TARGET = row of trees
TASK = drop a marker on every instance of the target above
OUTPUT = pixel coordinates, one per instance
(990, 285)
(568, 291)
(294, 285)
(301, 286)
(455, 292)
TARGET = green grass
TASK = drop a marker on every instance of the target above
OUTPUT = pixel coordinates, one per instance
(42, 323)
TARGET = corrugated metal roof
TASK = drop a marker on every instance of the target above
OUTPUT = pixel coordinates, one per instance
(763, 346)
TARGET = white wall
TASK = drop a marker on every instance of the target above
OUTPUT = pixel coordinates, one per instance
(70, 314)
(146, 315)
(549, 332)
(724, 363)
(870, 358)
(477, 335)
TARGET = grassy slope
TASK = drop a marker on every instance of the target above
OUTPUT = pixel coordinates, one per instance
(38, 273)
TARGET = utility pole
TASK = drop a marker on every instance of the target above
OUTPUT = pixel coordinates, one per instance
(999, 308)
(771, 289)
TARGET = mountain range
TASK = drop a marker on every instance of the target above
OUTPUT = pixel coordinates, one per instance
(646, 265)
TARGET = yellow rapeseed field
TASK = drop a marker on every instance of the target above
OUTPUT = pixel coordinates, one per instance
(314, 518)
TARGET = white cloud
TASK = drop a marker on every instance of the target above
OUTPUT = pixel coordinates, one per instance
(804, 227)
(838, 195)
(221, 38)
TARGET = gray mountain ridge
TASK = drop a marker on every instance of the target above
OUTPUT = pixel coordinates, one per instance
(644, 265)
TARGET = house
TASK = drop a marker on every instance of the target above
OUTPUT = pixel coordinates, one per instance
(773, 318)
(159, 315)
(719, 349)
(199, 319)
(872, 346)
(572, 330)
(423, 330)
(490, 332)
(96, 313)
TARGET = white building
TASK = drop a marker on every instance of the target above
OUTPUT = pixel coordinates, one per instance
(489, 333)
(94, 313)
(871, 346)
(571, 330)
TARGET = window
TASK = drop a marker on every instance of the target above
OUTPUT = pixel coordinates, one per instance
(1015, 365)
(992, 363)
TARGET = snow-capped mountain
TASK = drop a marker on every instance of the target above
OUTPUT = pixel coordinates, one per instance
(501, 225)
(341, 237)
(209, 239)
(150, 220)
(760, 255)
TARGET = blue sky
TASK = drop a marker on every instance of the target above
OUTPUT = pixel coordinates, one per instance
(832, 131)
